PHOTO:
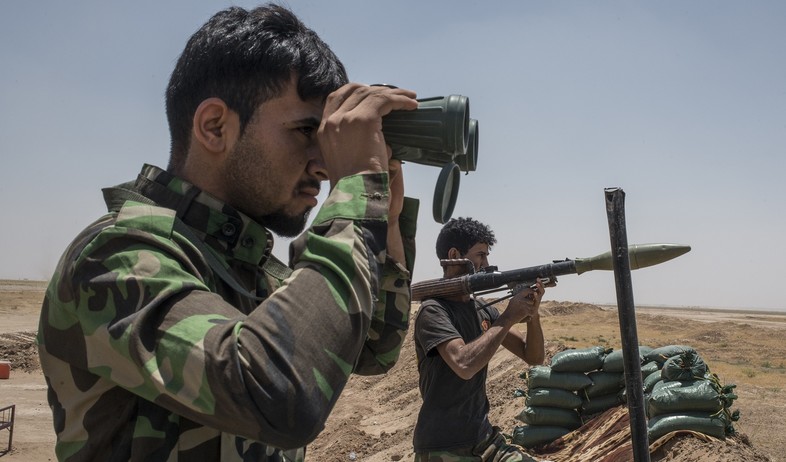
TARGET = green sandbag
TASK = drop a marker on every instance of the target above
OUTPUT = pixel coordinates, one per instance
(650, 381)
(663, 353)
(552, 397)
(613, 362)
(694, 421)
(600, 403)
(648, 368)
(579, 360)
(550, 416)
(530, 436)
(688, 396)
(661, 384)
(685, 366)
(604, 383)
(544, 377)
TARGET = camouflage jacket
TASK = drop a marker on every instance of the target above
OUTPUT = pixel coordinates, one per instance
(169, 332)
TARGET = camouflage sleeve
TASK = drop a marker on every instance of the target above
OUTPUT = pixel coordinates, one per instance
(139, 311)
(391, 313)
(314, 327)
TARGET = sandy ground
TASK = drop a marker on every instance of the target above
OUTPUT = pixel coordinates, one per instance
(374, 417)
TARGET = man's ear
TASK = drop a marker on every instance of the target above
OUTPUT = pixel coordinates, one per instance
(216, 127)
(454, 253)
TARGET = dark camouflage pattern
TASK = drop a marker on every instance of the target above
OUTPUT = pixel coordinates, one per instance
(494, 448)
(147, 353)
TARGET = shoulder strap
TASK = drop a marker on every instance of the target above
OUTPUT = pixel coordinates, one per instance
(116, 196)
(218, 265)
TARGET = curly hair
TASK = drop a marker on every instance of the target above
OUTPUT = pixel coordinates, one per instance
(463, 233)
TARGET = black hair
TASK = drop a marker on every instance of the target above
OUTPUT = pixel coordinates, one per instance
(246, 57)
(463, 233)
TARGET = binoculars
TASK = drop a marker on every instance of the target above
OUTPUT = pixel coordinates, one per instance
(438, 133)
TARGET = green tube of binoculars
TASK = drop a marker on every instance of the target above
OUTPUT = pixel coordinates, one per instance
(439, 133)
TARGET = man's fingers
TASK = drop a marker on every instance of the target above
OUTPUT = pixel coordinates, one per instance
(350, 135)
(376, 100)
(337, 98)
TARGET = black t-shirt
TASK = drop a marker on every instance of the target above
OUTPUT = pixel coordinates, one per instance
(454, 413)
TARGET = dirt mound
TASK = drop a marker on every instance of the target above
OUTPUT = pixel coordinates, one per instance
(374, 417)
(20, 349)
(550, 308)
(687, 447)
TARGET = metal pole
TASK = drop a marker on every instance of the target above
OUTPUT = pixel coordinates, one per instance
(615, 210)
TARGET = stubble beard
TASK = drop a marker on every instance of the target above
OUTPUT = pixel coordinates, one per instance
(251, 185)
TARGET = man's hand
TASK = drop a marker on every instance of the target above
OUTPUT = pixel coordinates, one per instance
(350, 135)
(395, 206)
(525, 304)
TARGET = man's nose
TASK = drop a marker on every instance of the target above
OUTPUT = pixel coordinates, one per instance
(316, 164)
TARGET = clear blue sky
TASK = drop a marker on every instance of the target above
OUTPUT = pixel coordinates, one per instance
(680, 104)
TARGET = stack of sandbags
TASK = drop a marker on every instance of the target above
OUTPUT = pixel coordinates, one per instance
(608, 385)
(605, 368)
(680, 393)
(687, 396)
(553, 398)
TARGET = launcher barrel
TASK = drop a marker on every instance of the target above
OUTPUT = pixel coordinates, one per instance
(640, 255)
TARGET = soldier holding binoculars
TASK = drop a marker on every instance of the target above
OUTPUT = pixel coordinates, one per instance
(170, 331)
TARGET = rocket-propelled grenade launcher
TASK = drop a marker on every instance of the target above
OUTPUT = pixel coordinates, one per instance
(491, 280)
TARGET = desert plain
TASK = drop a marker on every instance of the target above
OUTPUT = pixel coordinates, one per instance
(374, 417)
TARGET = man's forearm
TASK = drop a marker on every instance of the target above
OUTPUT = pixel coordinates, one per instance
(390, 319)
(535, 352)
(471, 357)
